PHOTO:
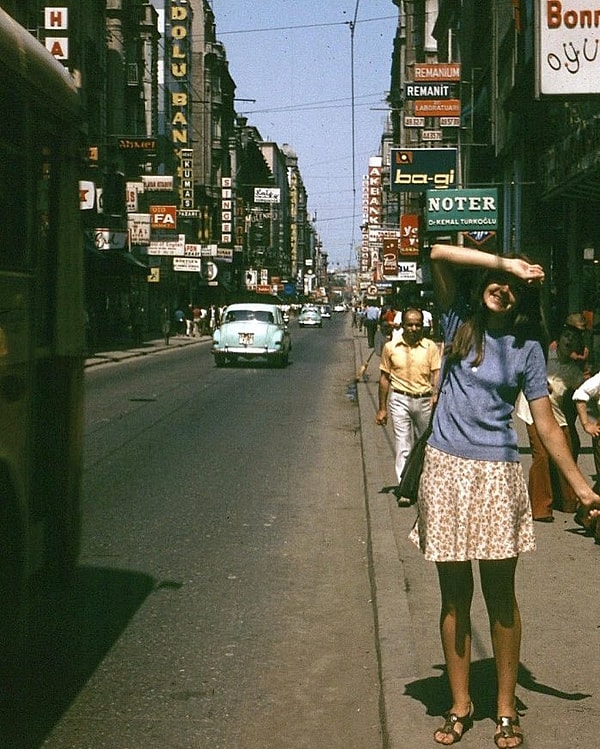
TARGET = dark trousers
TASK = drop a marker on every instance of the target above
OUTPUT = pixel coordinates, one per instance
(371, 326)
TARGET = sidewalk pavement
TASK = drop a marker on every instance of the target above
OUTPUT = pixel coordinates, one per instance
(557, 693)
(557, 588)
(129, 351)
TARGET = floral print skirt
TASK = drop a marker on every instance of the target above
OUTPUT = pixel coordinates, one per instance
(472, 509)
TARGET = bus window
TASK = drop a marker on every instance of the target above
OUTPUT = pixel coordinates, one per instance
(45, 175)
(13, 171)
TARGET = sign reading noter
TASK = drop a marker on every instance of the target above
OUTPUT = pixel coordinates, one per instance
(462, 210)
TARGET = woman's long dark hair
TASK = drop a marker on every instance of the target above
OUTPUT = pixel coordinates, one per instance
(527, 319)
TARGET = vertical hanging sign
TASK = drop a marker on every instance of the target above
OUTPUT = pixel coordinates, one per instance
(177, 79)
(186, 179)
(374, 210)
(226, 210)
(56, 25)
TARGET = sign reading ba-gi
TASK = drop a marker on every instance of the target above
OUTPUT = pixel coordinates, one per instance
(419, 169)
(462, 210)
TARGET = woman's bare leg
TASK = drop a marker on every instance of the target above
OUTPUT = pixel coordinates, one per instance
(456, 587)
(498, 586)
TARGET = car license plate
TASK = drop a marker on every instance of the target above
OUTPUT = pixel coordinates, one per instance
(246, 339)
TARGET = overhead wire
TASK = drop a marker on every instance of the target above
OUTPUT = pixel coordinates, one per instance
(306, 26)
(353, 124)
(313, 105)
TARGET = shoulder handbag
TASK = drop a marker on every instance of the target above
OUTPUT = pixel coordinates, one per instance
(408, 488)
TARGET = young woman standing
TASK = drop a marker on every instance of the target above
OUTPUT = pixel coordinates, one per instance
(473, 502)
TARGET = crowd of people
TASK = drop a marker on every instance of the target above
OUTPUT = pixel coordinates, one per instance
(490, 358)
(194, 320)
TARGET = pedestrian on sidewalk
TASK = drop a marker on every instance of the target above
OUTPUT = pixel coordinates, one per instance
(473, 502)
(370, 322)
(189, 321)
(580, 354)
(179, 321)
(548, 488)
(587, 403)
(409, 367)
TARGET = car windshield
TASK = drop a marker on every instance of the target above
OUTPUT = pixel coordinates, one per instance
(239, 315)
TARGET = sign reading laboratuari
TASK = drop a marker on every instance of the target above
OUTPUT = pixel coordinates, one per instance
(177, 79)
(568, 47)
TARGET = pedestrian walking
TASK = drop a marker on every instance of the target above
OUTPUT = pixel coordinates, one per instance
(196, 320)
(179, 321)
(473, 502)
(547, 486)
(427, 323)
(587, 403)
(189, 321)
(580, 353)
(409, 367)
(370, 322)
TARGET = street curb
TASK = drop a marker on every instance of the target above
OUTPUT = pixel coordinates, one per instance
(393, 625)
(147, 348)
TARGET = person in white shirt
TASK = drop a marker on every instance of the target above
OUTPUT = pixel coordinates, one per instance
(427, 323)
(587, 403)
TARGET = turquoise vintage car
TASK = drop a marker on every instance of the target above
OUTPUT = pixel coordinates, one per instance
(310, 317)
(249, 330)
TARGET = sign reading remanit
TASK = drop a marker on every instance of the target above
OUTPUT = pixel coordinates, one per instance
(568, 47)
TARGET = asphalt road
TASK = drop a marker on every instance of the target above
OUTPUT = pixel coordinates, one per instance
(224, 596)
(246, 580)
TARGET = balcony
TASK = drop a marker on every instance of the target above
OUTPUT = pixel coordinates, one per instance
(571, 168)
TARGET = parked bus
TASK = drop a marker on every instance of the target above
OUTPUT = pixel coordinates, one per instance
(42, 328)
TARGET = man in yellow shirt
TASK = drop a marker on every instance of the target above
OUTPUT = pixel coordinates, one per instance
(409, 368)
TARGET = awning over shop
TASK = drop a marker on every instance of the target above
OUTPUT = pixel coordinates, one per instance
(114, 261)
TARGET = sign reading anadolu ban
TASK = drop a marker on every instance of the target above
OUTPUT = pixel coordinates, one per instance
(568, 58)
(420, 169)
(462, 210)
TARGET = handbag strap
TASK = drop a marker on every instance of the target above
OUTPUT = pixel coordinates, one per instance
(443, 372)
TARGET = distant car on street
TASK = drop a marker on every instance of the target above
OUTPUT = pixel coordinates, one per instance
(340, 308)
(250, 330)
(310, 318)
(325, 310)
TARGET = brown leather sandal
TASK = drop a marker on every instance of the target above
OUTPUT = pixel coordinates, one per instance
(506, 726)
(449, 727)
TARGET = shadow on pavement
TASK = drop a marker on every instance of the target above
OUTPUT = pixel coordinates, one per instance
(434, 692)
(73, 634)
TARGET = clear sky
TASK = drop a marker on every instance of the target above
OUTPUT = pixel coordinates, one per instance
(294, 57)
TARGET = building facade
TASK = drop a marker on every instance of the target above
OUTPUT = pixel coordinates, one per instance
(508, 86)
(178, 191)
